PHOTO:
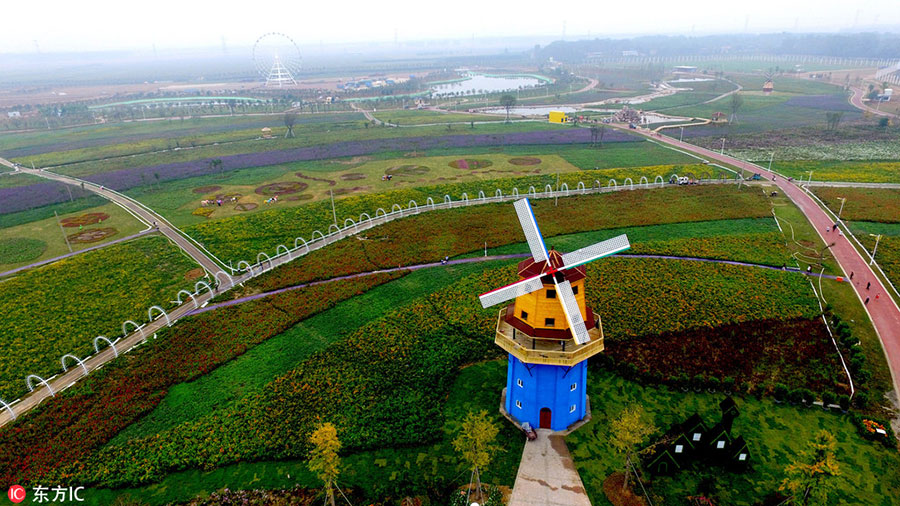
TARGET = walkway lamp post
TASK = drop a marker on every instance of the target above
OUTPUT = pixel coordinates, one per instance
(843, 201)
(681, 137)
(771, 156)
(875, 249)
(809, 181)
(722, 151)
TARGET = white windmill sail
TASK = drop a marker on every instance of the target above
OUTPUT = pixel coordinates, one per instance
(505, 293)
(531, 230)
(595, 251)
(573, 314)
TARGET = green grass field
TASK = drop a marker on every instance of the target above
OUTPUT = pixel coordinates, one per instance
(47, 230)
(775, 434)
(423, 117)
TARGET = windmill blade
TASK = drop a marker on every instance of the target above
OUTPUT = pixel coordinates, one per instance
(573, 314)
(505, 293)
(531, 230)
(595, 251)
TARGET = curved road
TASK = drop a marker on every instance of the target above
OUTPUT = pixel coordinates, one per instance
(884, 312)
(856, 101)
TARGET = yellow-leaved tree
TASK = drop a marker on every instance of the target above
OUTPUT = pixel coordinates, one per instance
(627, 431)
(324, 461)
(811, 476)
(476, 445)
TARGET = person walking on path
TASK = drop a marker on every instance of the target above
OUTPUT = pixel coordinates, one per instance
(868, 285)
(867, 301)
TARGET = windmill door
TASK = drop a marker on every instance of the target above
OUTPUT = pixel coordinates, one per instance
(545, 418)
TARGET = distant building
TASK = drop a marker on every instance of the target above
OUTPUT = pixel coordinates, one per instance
(768, 87)
(630, 52)
(14, 114)
(687, 69)
(886, 96)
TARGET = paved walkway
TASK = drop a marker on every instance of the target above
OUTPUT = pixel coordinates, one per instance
(883, 311)
(547, 475)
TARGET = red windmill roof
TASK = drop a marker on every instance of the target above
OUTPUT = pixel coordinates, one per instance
(529, 268)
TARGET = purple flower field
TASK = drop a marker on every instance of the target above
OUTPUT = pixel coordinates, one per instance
(822, 102)
(20, 198)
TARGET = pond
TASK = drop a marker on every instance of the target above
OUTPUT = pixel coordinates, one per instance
(477, 84)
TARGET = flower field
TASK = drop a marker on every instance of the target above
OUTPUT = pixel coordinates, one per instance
(384, 385)
(242, 237)
(841, 170)
(49, 311)
(863, 204)
(90, 413)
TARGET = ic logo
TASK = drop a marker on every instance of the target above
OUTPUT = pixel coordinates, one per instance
(16, 493)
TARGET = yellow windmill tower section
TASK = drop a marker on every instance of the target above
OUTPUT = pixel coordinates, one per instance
(557, 117)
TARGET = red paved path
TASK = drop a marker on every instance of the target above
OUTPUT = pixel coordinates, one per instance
(884, 312)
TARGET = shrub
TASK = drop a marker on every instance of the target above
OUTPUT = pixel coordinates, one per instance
(795, 396)
(844, 402)
(828, 397)
(780, 392)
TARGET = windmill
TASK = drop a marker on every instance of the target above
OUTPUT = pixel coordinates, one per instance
(768, 86)
(548, 331)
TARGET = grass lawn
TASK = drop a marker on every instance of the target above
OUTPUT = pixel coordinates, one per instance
(13, 179)
(47, 230)
(775, 434)
(395, 471)
(421, 117)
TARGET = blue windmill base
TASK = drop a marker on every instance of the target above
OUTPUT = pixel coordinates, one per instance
(546, 396)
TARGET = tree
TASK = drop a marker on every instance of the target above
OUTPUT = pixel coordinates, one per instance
(476, 445)
(809, 478)
(216, 163)
(597, 135)
(629, 430)
(324, 461)
(833, 118)
(884, 122)
(736, 102)
(507, 101)
(290, 119)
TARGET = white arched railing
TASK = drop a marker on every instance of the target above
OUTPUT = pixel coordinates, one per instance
(565, 186)
(8, 408)
(660, 180)
(259, 262)
(110, 343)
(612, 184)
(337, 230)
(76, 359)
(397, 209)
(286, 252)
(599, 186)
(532, 191)
(189, 294)
(498, 194)
(644, 181)
(305, 244)
(42, 380)
(368, 218)
(161, 310)
(548, 190)
(465, 198)
(351, 223)
(430, 202)
(313, 238)
(481, 195)
(139, 328)
(581, 187)
(382, 213)
(629, 183)
(201, 283)
(227, 276)
(412, 205)
(448, 200)
(246, 266)
(515, 192)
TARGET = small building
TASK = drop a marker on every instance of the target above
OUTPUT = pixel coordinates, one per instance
(768, 87)
(266, 133)
(557, 117)
(686, 69)
(14, 114)
(886, 96)
(630, 52)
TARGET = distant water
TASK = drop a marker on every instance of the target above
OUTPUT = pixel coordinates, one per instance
(485, 84)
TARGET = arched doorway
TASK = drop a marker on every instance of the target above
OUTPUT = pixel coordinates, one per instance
(545, 418)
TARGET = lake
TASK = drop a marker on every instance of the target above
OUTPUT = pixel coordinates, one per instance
(477, 84)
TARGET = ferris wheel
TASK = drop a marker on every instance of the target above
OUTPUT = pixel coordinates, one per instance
(277, 59)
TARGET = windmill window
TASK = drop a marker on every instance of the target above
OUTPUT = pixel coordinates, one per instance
(524, 315)
(575, 290)
(549, 322)
(742, 457)
(679, 448)
(520, 383)
(551, 294)
(519, 404)
(573, 386)
(720, 445)
(696, 436)
(572, 408)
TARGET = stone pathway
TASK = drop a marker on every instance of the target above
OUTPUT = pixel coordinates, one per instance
(547, 475)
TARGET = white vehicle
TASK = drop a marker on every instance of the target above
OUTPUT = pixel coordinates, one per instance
(684, 180)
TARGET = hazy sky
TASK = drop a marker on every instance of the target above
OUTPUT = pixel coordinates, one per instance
(110, 24)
